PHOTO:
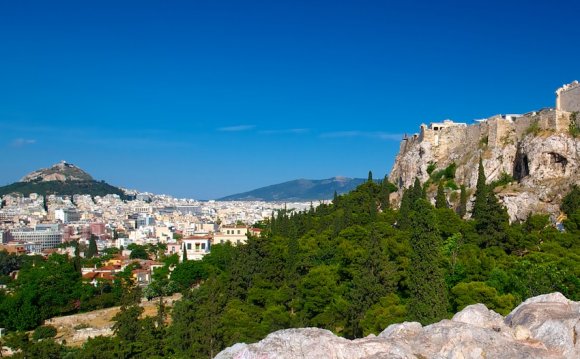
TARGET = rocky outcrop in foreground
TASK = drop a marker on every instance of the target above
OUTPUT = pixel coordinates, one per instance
(547, 326)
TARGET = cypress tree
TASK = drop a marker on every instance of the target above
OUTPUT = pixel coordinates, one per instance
(481, 194)
(462, 209)
(404, 221)
(493, 222)
(184, 257)
(415, 192)
(428, 294)
(490, 216)
(385, 192)
(440, 199)
(370, 178)
(92, 249)
(77, 259)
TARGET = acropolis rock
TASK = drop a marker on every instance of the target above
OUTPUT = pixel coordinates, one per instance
(538, 149)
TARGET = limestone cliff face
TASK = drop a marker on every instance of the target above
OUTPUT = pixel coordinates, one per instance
(546, 326)
(536, 149)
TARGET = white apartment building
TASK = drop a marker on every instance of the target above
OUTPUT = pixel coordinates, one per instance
(195, 247)
(233, 234)
(46, 236)
(66, 215)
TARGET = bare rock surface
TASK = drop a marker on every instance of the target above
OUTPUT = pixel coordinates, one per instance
(541, 327)
(61, 171)
(536, 149)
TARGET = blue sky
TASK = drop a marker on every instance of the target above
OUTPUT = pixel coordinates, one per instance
(208, 98)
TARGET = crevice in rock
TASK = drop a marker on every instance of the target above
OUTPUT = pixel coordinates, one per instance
(556, 158)
(521, 164)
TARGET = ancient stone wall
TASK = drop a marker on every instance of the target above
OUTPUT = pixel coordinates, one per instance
(498, 131)
(569, 97)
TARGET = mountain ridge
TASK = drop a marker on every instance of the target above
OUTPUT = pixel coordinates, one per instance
(301, 189)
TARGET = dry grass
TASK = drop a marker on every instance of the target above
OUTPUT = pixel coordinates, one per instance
(99, 320)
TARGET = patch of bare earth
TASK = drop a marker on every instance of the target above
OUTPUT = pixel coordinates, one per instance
(75, 329)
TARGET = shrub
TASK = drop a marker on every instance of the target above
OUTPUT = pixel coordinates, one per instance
(533, 128)
(43, 332)
(483, 142)
(504, 179)
(448, 173)
(451, 184)
(431, 167)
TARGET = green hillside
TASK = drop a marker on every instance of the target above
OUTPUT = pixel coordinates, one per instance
(67, 188)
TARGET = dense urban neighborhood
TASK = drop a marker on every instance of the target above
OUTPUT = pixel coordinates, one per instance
(42, 225)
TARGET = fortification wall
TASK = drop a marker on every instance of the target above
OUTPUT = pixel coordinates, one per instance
(449, 139)
(476, 132)
(498, 131)
(550, 120)
(562, 121)
(569, 99)
(523, 123)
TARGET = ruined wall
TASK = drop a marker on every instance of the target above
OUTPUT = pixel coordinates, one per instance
(499, 131)
(536, 149)
(569, 98)
(547, 120)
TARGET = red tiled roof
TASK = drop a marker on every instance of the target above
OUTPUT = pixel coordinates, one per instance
(90, 275)
(198, 237)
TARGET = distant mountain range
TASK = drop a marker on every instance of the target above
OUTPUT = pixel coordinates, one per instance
(61, 179)
(299, 190)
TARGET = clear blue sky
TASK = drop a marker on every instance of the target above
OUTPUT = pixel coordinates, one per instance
(208, 98)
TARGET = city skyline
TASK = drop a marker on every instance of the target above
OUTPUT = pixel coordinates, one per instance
(205, 100)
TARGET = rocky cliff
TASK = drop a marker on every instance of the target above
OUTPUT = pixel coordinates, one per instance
(61, 171)
(538, 151)
(63, 179)
(547, 326)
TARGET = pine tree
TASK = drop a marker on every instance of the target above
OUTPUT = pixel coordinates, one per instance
(462, 209)
(440, 199)
(481, 194)
(428, 294)
(77, 259)
(127, 326)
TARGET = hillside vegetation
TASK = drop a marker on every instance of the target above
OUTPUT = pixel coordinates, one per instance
(63, 188)
(353, 266)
